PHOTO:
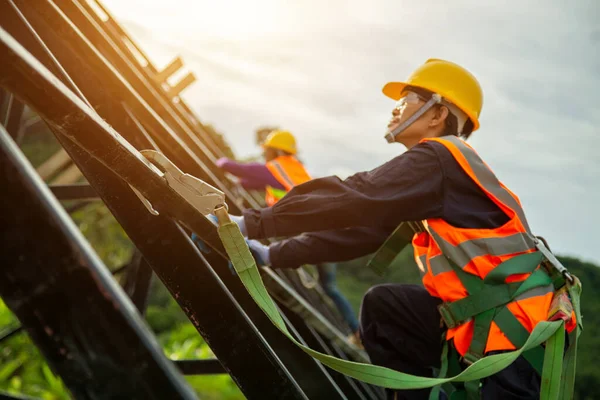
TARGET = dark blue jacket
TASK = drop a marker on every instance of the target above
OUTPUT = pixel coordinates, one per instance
(351, 218)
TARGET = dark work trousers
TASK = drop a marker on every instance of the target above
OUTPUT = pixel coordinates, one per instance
(400, 329)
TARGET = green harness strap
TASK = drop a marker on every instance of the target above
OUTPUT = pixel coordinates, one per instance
(244, 264)
(488, 298)
(487, 302)
(385, 255)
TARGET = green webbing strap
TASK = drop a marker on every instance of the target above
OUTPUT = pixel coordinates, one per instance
(472, 389)
(570, 361)
(517, 334)
(493, 293)
(471, 282)
(243, 262)
(521, 264)
(553, 360)
(388, 251)
(491, 296)
(481, 331)
(435, 392)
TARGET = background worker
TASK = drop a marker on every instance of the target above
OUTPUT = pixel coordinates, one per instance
(439, 180)
(281, 172)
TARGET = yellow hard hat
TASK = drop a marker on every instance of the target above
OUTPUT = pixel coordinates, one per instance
(451, 81)
(282, 140)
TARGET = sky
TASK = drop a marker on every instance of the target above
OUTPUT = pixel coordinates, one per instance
(316, 68)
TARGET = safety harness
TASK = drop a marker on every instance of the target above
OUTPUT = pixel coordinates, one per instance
(558, 374)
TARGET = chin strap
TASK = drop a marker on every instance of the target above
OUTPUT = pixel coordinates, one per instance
(391, 136)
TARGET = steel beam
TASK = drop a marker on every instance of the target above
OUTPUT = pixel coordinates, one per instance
(95, 341)
(81, 191)
(116, 33)
(370, 391)
(200, 367)
(113, 43)
(11, 111)
(169, 70)
(137, 281)
(265, 330)
(311, 339)
(74, 24)
(57, 162)
(310, 378)
(176, 260)
(182, 85)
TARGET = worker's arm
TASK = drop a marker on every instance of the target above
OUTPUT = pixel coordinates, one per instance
(327, 246)
(252, 175)
(406, 188)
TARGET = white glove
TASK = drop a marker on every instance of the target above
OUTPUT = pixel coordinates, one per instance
(239, 220)
(260, 252)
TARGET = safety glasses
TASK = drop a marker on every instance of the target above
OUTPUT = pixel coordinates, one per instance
(408, 98)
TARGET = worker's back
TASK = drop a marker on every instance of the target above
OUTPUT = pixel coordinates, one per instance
(289, 172)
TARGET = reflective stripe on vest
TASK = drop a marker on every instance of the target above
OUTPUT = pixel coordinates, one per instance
(479, 251)
(496, 246)
(484, 175)
(282, 176)
(289, 172)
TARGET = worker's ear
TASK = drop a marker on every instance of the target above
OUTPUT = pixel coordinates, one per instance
(439, 116)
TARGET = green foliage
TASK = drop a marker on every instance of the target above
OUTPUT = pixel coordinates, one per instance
(180, 341)
(105, 234)
(23, 369)
(39, 143)
(354, 278)
(183, 342)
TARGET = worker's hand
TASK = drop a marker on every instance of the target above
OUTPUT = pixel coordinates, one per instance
(239, 220)
(260, 252)
(221, 161)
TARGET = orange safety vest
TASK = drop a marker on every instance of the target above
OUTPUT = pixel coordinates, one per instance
(289, 172)
(478, 251)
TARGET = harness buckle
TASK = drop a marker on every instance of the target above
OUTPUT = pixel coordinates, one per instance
(541, 246)
(561, 306)
(449, 319)
(202, 196)
(471, 357)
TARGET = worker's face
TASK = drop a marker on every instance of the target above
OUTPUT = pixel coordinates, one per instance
(408, 104)
(269, 153)
(405, 108)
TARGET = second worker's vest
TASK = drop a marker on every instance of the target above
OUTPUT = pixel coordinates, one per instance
(289, 172)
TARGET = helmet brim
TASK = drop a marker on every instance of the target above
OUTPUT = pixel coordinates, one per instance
(393, 90)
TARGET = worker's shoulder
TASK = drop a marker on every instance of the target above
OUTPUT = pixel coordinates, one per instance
(420, 158)
(424, 152)
(429, 156)
(432, 149)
